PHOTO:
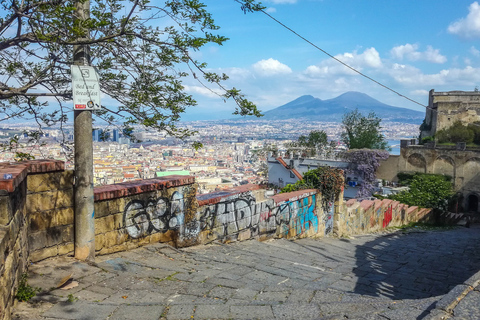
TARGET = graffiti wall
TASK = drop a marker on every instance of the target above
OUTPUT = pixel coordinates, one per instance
(370, 216)
(176, 215)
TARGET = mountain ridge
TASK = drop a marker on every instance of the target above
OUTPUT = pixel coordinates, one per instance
(307, 106)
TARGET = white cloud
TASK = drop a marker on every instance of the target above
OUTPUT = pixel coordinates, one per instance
(474, 51)
(468, 27)
(210, 93)
(271, 10)
(453, 78)
(271, 67)
(419, 93)
(369, 58)
(410, 52)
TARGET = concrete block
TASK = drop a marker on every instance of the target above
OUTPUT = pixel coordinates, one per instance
(42, 220)
(43, 254)
(104, 224)
(244, 235)
(66, 248)
(49, 200)
(37, 240)
(50, 181)
(64, 216)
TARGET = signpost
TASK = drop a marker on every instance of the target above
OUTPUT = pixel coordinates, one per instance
(86, 88)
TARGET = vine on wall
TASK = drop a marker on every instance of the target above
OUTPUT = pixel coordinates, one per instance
(329, 181)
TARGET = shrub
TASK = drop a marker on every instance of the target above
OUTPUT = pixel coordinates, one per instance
(427, 191)
(456, 133)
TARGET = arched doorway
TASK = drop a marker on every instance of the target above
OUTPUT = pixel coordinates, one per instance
(472, 204)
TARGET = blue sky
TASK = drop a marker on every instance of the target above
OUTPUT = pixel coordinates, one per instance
(410, 46)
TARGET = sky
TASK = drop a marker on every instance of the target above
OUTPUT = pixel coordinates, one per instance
(409, 46)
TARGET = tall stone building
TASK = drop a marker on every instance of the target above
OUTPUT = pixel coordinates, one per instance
(460, 161)
(446, 108)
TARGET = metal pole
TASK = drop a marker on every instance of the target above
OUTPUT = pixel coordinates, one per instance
(84, 205)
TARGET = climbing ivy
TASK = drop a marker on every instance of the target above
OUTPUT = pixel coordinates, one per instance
(329, 181)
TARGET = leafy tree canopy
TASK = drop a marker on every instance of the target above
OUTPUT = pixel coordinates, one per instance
(316, 143)
(428, 191)
(458, 132)
(362, 132)
(142, 50)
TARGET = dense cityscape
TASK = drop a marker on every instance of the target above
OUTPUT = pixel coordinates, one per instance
(227, 158)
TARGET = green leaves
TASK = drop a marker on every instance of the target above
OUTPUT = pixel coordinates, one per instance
(363, 132)
(329, 181)
(142, 66)
(428, 191)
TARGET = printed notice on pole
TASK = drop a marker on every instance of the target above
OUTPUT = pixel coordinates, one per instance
(86, 88)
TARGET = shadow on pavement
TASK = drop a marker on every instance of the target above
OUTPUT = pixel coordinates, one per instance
(417, 265)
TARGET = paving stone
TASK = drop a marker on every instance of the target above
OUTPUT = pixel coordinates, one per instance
(251, 312)
(214, 311)
(468, 307)
(80, 310)
(296, 311)
(128, 312)
(180, 312)
(300, 296)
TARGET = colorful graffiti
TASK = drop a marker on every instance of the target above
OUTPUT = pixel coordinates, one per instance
(226, 218)
(387, 216)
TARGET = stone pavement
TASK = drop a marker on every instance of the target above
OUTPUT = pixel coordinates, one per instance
(402, 275)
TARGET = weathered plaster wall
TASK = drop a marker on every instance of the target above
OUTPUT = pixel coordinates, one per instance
(463, 166)
(388, 168)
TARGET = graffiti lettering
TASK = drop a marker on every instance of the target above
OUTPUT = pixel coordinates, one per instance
(141, 218)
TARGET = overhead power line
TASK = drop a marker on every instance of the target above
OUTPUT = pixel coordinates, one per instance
(343, 63)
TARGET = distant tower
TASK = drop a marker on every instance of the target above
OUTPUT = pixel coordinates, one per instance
(116, 135)
(96, 135)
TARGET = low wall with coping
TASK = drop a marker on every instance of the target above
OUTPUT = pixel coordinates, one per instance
(17, 200)
(360, 217)
(37, 216)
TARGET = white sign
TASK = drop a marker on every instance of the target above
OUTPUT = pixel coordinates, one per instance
(86, 88)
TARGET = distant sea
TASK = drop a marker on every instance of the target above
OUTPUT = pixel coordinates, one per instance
(395, 145)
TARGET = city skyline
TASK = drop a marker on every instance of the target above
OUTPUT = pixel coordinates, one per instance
(409, 47)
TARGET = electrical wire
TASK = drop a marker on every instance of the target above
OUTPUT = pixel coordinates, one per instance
(343, 63)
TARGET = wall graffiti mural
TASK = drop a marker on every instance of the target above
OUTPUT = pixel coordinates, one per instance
(235, 214)
(387, 216)
(141, 217)
(230, 216)
(328, 218)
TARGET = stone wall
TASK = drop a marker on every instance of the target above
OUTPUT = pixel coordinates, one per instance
(374, 215)
(14, 224)
(37, 218)
(463, 166)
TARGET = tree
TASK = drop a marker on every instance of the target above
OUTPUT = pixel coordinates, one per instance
(314, 144)
(141, 50)
(363, 132)
(427, 191)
